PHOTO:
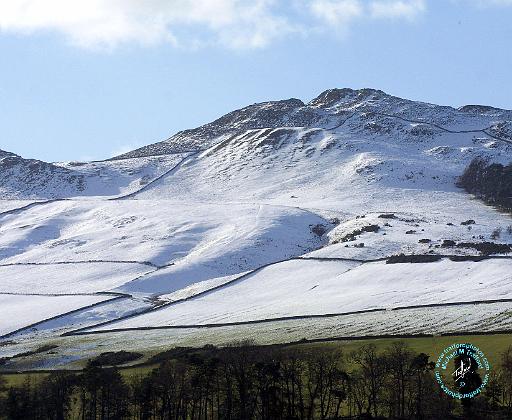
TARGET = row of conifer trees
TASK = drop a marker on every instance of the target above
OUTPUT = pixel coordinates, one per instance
(244, 382)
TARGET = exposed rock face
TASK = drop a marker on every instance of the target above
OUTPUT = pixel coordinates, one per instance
(22, 178)
(287, 113)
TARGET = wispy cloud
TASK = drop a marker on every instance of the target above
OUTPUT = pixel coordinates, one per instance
(341, 13)
(108, 23)
(238, 24)
(337, 12)
(397, 9)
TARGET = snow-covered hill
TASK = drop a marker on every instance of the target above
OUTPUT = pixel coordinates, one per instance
(342, 139)
(30, 179)
(330, 109)
(274, 212)
(365, 131)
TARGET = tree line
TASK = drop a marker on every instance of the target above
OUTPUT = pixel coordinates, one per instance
(245, 382)
(492, 182)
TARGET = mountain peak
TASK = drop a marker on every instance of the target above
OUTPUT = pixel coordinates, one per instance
(3, 154)
(480, 109)
(322, 112)
(331, 97)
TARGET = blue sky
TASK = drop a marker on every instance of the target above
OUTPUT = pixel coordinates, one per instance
(88, 79)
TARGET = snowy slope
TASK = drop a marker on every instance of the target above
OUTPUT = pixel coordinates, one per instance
(317, 165)
(17, 311)
(302, 288)
(10, 205)
(185, 242)
(68, 278)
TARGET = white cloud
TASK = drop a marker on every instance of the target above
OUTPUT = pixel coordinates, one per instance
(335, 12)
(108, 23)
(86, 23)
(238, 24)
(397, 8)
(341, 13)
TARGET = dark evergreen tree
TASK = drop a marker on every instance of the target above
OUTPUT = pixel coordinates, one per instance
(491, 182)
(58, 390)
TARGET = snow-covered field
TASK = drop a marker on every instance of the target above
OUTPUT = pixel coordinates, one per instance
(303, 288)
(73, 278)
(143, 248)
(18, 311)
(72, 350)
(485, 318)
(9, 205)
(217, 216)
(200, 241)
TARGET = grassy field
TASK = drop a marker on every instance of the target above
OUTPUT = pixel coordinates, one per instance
(491, 345)
(15, 379)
